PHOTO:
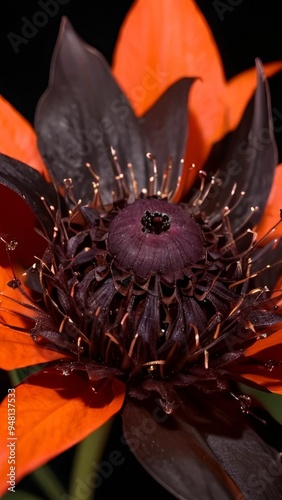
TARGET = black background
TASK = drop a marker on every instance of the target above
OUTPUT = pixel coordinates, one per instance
(247, 30)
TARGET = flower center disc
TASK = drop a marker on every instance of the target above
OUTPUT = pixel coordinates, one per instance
(153, 236)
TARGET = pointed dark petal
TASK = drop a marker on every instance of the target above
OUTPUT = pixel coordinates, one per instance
(175, 454)
(30, 186)
(249, 163)
(255, 466)
(166, 127)
(81, 115)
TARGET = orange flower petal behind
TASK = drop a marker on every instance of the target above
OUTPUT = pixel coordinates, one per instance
(161, 42)
(265, 378)
(53, 415)
(267, 370)
(17, 138)
(17, 348)
(260, 349)
(272, 211)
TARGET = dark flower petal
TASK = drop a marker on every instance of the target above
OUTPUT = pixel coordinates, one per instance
(249, 164)
(175, 454)
(82, 115)
(196, 450)
(31, 187)
(166, 127)
(255, 467)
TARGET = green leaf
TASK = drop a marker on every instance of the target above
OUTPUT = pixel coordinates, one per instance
(271, 402)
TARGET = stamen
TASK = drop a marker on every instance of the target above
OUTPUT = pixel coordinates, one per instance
(79, 349)
(49, 208)
(69, 190)
(144, 193)
(134, 184)
(96, 200)
(206, 362)
(94, 175)
(196, 335)
(170, 195)
(132, 345)
(153, 180)
(164, 190)
(216, 334)
(123, 192)
(202, 175)
(271, 230)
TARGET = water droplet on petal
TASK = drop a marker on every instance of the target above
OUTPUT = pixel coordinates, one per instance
(15, 283)
(12, 245)
(270, 364)
(245, 403)
(65, 369)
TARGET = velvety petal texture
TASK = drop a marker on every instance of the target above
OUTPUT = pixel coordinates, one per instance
(200, 448)
(168, 451)
(53, 412)
(166, 129)
(84, 114)
(245, 172)
(239, 90)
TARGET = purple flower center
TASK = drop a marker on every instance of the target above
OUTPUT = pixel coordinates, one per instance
(153, 236)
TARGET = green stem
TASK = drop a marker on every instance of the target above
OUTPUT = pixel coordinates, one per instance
(14, 377)
(87, 457)
(49, 483)
(21, 495)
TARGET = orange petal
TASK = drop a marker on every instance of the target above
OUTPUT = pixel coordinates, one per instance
(11, 310)
(270, 380)
(260, 349)
(267, 373)
(17, 348)
(272, 211)
(17, 138)
(50, 417)
(161, 42)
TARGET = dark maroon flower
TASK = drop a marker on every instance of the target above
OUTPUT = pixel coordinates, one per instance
(162, 296)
